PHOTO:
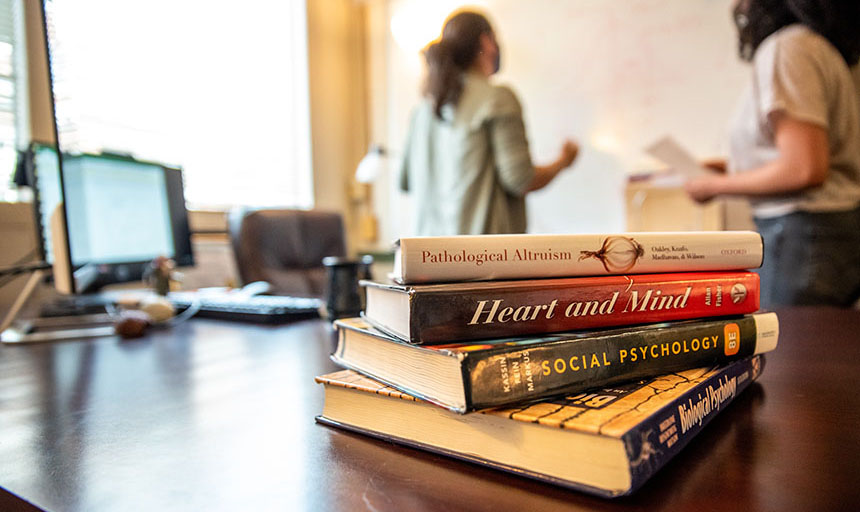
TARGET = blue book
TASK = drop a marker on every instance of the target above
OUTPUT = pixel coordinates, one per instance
(606, 442)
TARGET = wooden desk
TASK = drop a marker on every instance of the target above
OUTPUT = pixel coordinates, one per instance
(219, 416)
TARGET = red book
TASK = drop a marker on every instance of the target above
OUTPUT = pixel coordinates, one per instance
(444, 313)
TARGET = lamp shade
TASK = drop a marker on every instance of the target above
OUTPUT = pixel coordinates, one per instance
(372, 165)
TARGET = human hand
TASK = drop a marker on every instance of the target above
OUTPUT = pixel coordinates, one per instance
(703, 188)
(546, 173)
(569, 150)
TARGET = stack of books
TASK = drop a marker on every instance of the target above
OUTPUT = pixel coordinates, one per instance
(583, 360)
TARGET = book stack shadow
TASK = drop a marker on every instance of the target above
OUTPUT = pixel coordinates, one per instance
(587, 361)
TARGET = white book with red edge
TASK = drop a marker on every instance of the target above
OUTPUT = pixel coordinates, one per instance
(492, 257)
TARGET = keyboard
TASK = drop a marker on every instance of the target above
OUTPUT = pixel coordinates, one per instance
(260, 309)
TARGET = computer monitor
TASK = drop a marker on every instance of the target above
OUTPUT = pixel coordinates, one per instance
(104, 218)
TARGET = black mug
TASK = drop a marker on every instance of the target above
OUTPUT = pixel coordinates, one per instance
(344, 297)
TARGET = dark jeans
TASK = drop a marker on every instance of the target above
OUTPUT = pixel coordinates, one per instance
(811, 259)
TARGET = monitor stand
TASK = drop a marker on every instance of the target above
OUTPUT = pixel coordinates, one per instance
(59, 328)
(51, 328)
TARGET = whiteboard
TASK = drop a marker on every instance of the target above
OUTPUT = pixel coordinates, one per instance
(613, 74)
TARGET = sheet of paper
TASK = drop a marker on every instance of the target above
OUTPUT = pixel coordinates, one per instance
(668, 151)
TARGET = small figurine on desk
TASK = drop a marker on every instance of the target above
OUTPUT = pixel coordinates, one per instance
(153, 310)
(159, 274)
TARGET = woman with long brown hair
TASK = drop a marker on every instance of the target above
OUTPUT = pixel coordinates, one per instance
(466, 159)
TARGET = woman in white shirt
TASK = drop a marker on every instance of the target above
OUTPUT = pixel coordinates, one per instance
(795, 147)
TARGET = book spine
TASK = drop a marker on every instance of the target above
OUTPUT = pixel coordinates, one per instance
(584, 303)
(516, 372)
(466, 258)
(652, 443)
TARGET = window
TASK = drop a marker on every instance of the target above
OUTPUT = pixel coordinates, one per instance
(219, 88)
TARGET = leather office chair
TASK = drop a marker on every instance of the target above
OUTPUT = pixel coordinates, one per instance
(285, 248)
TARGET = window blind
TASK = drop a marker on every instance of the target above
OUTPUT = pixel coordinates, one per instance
(8, 21)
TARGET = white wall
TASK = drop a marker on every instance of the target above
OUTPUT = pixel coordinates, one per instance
(613, 74)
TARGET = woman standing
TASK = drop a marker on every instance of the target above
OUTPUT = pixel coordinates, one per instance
(795, 147)
(466, 159)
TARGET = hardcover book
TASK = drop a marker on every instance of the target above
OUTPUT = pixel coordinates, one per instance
(504, 371)
(447, 312)
(495, 257)
(605, 441)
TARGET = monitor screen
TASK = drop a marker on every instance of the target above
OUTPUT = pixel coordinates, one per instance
(48, 194)
(116, 210)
